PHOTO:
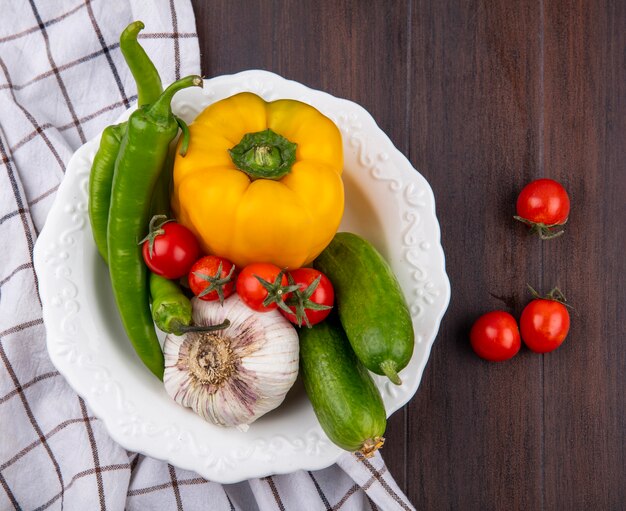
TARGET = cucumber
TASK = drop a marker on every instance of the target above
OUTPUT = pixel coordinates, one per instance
(370, 303)
(344, 397)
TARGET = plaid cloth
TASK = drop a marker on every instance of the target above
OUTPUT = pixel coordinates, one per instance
(62, 79)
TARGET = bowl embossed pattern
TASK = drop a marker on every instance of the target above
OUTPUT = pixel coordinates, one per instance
(387, 201)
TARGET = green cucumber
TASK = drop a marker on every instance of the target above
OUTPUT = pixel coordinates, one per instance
(344, 397)
(370, 303)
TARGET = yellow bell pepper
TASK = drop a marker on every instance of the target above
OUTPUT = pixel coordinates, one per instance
(261, 182)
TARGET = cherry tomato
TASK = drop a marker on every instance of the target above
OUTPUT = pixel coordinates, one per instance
(542, 204)
(170, 249)
(263, 287)
(212, 278)
(495, 336)
(313, 301)
(544, 324)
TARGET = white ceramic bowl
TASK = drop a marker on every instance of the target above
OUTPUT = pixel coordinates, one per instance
(387, 201)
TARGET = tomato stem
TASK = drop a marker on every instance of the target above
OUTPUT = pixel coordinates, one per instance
(216, 282)
(555, 294)
(154, 231)
(544, 231)
(276, 292)
(301, 300)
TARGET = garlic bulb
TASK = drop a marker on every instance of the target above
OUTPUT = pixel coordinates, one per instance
(232, 376)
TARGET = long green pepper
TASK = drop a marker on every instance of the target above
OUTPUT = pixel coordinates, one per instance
(149, 88)
(171, 309)
(100, 182)
(142, 156)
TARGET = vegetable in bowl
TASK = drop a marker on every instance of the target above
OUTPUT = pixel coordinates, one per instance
(233, 376)
(247, 194)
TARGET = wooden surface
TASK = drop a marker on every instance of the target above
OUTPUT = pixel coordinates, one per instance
(482, 97)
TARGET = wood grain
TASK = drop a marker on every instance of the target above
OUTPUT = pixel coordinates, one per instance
(484, 96)
(585, 141)
(475, 427)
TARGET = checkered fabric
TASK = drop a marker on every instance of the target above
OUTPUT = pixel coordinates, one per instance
(62, 79)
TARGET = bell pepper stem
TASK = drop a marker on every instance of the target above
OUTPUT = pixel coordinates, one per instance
(264, 155)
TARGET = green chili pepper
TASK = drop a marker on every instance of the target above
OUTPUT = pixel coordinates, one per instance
(142, 155)
(100, 181)
(149, 89)
(146, 76)
(171, 309)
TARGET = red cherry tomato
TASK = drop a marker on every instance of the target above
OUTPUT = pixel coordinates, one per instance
(495, 336)
(313, 301)
(263, 286)
(170, 249)
(212, 278)
(544, 324)
(543, 203)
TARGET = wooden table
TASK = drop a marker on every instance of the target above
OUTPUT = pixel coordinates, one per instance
(483, 96)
